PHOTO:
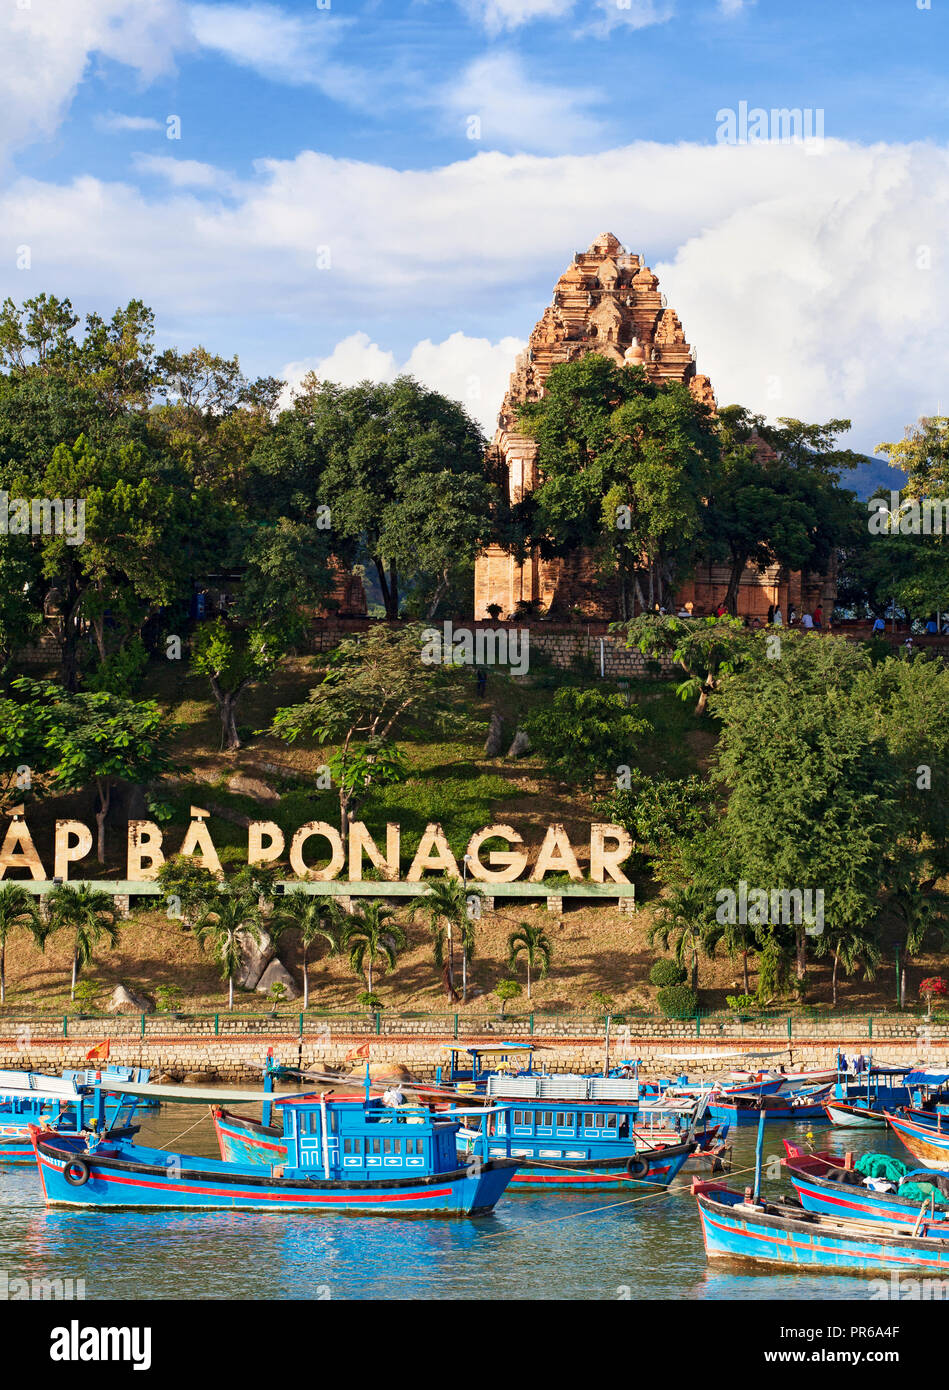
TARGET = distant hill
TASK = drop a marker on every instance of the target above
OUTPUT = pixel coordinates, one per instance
(870, 476)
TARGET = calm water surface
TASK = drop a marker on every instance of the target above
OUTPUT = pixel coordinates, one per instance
(598, 1246)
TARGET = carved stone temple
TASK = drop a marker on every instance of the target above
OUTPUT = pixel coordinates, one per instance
(607, 301)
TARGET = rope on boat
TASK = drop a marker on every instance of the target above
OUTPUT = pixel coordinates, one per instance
(609, 1206)
(163, 1148)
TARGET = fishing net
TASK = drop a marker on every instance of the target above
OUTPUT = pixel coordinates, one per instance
(922, 1191)
(881, 1166)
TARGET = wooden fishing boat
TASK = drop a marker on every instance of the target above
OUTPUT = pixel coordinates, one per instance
(927, 1139)
(825, 1183)
(781, 1233)
(342, 1155)
(856, 1116)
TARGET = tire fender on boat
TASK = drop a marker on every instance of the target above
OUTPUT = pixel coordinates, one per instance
(637, 1167)
(76, 1172)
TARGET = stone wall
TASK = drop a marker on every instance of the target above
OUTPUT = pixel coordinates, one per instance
(187, 1049)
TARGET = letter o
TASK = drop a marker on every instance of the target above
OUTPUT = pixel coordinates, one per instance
(337, 856)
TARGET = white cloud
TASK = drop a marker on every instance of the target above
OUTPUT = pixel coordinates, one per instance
(473, 371)
(115, 123)
(291, 48)
(496, 15)
(516, 112)
(185, 173)
(499, 15)
(800, 278)
(45, 50)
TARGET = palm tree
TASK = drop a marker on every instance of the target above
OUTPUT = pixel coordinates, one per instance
(89, 914)
(853, 947)
(371, 932)
(220, 926)
(535, 945)
(684, 920)
(17, 909)
(316, 919)
(447, 906)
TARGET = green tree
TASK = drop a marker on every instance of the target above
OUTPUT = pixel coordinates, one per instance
(505, 990)
(535, 946)
(373, 932)
(706, 649)
(374, 686)
(626, 466)
(684, 922)
(100, 738)
(584, 734)
(223, 921)
(403, 471)
(17, 912)
(314, 919)
(232, 658)
(447, 905)
(89, 915)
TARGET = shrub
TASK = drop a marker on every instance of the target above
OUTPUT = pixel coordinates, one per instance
(665, 973)
(168, 998)
(678, 1001)
(741, 1003)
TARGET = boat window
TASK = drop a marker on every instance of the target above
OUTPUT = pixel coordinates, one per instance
(414, 1146)
(352, 1146)
(392, 1146)
(547, 1118)
(610, 1121)
(311, 1122)
(564, 1120)
(589, 1121)
(373, 1146)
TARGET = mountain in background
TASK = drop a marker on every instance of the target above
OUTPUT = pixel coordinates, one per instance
(872, 475)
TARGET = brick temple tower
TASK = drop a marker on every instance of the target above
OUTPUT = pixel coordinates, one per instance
(607, 301)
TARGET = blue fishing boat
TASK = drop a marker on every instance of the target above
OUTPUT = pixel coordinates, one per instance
(342, 1155)
(826, 1182)
(28, 1099)
(736, 1226)
(746, 1110)
(574, 1133)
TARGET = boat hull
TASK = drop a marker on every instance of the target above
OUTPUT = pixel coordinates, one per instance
(114, 1178)
(599, 1175)
(853, 1116)
(852, 1200)
(766, 1236)
(928, 1145)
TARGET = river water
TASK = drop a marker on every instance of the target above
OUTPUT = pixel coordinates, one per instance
(554, 1246)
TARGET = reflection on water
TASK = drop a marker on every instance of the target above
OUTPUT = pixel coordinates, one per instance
(552, 1246)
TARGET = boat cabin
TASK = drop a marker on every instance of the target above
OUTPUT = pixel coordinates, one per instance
(468, 1068)
(354, 1138)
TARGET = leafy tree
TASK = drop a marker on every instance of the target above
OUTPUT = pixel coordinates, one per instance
(706, 649)
(625, 468)
(584, 733)
(683, 922)
(97, 737)
(403, 471)
(87, 913)
(535, 946)
(373, 932)
(17, 912)
(233, 658)
(223, 921)
(812, 800)
(374, 686)
(315, 919)
(505, 990)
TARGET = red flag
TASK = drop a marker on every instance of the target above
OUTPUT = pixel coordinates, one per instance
(362, 1051)
(99, 1053)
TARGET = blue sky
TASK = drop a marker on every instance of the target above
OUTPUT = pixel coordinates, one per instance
(327, 207)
